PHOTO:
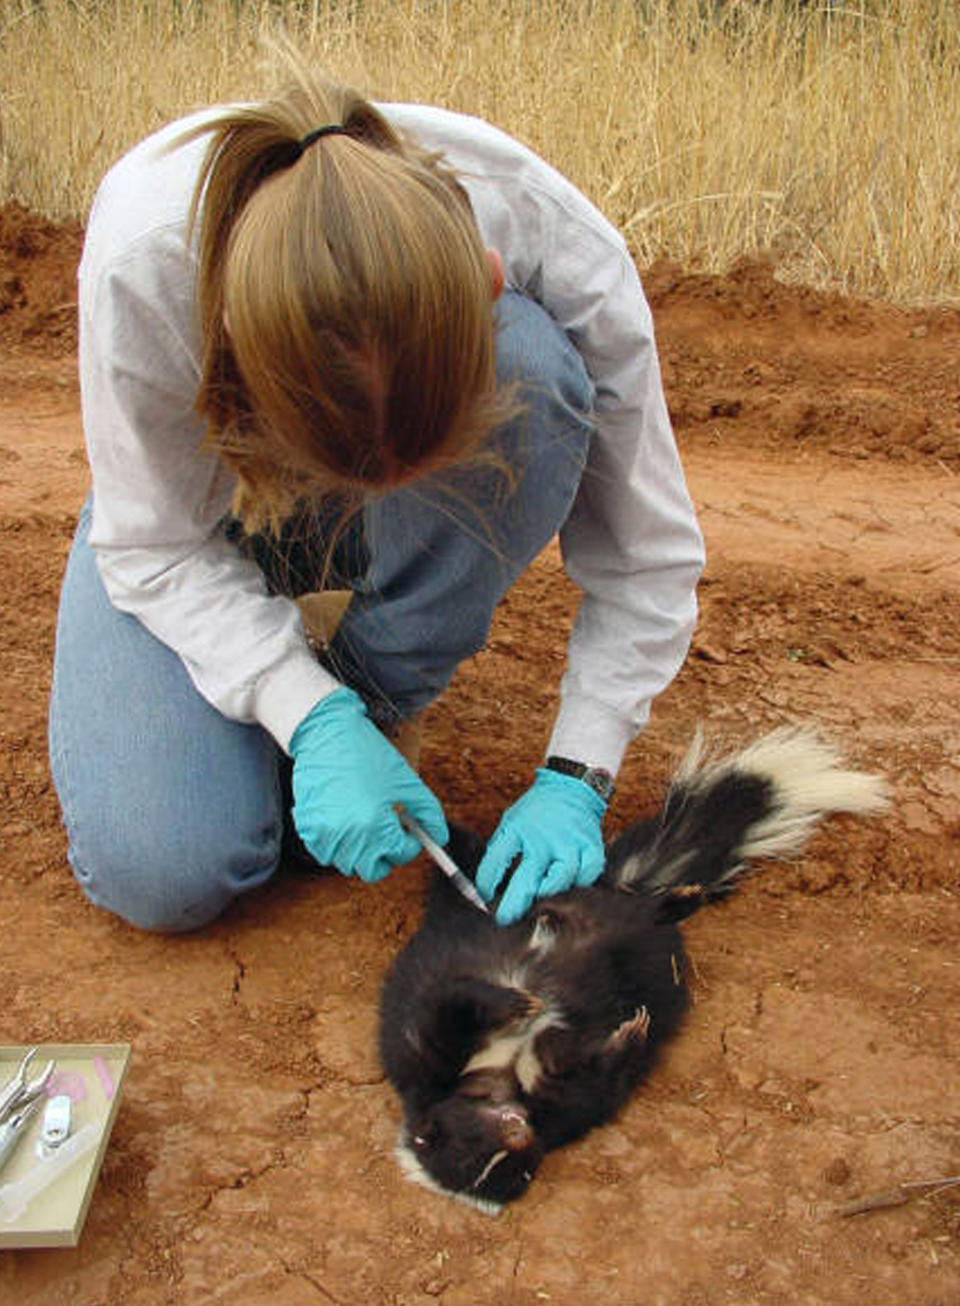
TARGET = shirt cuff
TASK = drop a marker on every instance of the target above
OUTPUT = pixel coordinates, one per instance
(288, 691)
(591, 732)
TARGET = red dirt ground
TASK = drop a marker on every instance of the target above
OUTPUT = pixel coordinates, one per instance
(251, 1159)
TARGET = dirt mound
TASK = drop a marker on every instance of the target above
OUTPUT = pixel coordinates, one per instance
(747, 357)
(38, 272)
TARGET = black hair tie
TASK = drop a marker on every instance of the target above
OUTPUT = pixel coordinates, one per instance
(332, 129)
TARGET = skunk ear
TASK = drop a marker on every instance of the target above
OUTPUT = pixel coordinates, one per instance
(516, 1131)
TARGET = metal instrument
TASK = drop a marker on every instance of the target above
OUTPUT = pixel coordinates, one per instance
(19, 1103)
(442, 858)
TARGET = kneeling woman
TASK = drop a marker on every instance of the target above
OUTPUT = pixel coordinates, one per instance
(387, 347)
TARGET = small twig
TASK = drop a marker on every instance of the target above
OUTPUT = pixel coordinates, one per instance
(859, 1205)
(929, 568)
(896, 1196)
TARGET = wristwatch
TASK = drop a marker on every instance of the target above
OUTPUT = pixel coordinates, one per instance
(599, 780)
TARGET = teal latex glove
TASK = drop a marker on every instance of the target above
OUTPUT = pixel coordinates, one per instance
(347, 779)
(555, 830)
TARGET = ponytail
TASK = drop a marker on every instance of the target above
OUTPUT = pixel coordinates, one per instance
(344, 301)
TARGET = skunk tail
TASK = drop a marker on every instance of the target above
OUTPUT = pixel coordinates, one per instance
(720, 815)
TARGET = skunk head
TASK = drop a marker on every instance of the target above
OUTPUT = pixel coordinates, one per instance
(473, 1147)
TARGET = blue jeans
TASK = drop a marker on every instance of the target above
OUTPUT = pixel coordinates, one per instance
(171, 809)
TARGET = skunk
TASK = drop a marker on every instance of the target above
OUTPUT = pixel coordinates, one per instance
(504, 1042)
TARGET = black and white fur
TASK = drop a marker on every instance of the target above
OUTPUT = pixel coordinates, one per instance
(506, 1042)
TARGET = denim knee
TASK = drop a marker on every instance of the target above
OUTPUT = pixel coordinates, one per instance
(171, 810)
(547, 444)
(534, 350)
(173, 885)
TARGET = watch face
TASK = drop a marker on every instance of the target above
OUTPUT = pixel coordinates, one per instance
(599, 780)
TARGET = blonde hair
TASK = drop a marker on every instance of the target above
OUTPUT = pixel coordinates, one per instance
(345, 304)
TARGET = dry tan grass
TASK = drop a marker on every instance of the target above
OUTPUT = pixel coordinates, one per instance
(828, 135)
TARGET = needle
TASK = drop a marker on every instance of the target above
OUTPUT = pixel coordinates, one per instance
(442, 858)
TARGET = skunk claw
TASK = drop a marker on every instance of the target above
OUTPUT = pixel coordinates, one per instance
(637, 1027)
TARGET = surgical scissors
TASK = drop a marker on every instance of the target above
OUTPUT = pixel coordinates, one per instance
(19, 1102)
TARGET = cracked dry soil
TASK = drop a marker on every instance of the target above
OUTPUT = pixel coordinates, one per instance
(251, 1160)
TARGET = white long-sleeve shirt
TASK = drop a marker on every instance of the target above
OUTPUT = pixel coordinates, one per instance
(631, 543)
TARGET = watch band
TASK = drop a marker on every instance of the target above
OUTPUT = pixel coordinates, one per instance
(599, 780)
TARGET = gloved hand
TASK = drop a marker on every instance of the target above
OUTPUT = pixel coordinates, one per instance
(555, 830)
(346, 779)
